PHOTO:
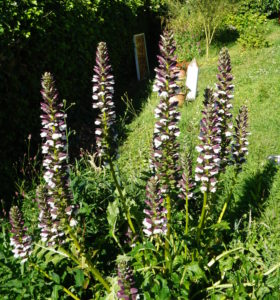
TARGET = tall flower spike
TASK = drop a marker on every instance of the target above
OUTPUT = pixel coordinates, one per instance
(166, 148)
(240, 138)
(20, 241)
(103, 82)
(126, 283)
(155, 222)
(54, 150)
(45, 219)
(224, 95)
(208, 160)
(187, 184)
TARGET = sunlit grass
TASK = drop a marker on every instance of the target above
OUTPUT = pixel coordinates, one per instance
(257, 85)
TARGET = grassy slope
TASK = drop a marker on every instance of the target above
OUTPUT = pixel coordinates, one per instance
(257, 74)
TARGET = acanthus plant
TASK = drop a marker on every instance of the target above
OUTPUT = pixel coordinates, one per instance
(56, 221)
(240, 138)
(187, 187)
(105, 131)
(171, 182)
(56, 169)
(239, 150)
(223, 96)
(165, 156)
(155, 222)
(126, 283)
(20, 241)
(208, 161)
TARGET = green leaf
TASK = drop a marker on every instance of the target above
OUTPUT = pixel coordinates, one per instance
(55, 277)
(112, 215)
(195, 272)
(55, 295)
(79, 277)
(14, 283)
(142, 247)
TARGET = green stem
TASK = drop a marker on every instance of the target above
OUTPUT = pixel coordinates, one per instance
(167, 239)
(118, 243)
(272, 269)
(228, 198)
(202, 217)
(187, 214)
(50, 278)
(93, 270)
(97, 274)
(73, 237)
(213, 260)
(217, 285)
(127, 213)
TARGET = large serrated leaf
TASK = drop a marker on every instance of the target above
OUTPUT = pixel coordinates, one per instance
(112, 215)
(41, 253)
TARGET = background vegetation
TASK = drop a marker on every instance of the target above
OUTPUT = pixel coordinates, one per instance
(61, 36)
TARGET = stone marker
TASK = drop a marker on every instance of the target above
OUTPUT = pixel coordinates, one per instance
(192, 77)
(141, 58)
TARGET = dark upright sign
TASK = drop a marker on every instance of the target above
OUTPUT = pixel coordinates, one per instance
(141, 58)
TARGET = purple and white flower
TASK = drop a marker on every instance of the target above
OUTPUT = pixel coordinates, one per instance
(127, 290)
(20, 240)
(155, 221)
(208, 161)
(240, 138)
(103, 90)
(165, 146)
(223, 96)
(56, 169)
(187, 184)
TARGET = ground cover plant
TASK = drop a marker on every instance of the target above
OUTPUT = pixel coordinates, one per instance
(184, 229)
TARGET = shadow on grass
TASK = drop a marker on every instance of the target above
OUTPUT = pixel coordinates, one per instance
(255, 192)
(225, 37)
(133, 100)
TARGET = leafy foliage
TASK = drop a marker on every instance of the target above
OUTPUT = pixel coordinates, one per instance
(60, 36)
(250, 24)
(228, 259)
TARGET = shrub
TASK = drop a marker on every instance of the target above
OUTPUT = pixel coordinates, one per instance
(194, 20)
(268, 7)
(251, 26)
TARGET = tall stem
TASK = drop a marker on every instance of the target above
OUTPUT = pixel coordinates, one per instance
(228, 198)
(167, 239)
(202, 217)
(127, 213)
(92, 269)
(187, 214)
(97, 274)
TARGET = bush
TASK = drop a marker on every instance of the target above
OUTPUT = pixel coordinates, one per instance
(194, 21)
(268, 7)
(251, 26)
(187, 33)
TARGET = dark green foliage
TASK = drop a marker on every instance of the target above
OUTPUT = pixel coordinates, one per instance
(61, 37)
(269, 7)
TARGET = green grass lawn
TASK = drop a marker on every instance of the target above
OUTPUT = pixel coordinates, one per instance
(256, 78)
